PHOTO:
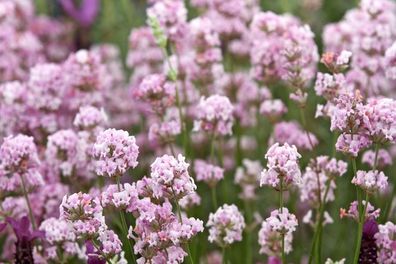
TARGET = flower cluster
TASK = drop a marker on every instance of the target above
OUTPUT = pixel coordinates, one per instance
(281, 222)
(367, 32)
(170, 178)
(84, 212)
(282, 167)
(155, 90)
(226, 225)
(246, 178)
(385, 240)
(371, 181)
(116, 151)
(208, 173)
(215, 115)
(301, 139)
(19, 163)
(159, 235)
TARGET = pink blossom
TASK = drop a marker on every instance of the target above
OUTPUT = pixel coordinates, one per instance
(282, 167)
(383, 158)
(385, 240)
(226, 225)
(19, 159)
(208, 173)
(214, 115)
(370, 181)
(116, 151)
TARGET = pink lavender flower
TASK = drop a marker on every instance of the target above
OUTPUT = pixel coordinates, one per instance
(87, 79)
(379, 119)
(282, 167)
(171, 178)
(328, 85)
(270, 240)
(62, 151)
(90, 117)
(116, 151)
(270, 235)
(390, 61)
(124, 199)
(19, 159)
(368, 46)
(190, 200)
(166, 131)
(206, 55)
(299, 137)
(383, 159)
(84, 212)
(352, 144)
(144, 55)
(111, 244)
(208, 173)
(59, 234)
(336, 62)
(319, 173)
(172, 16)
(225, 225)
(246, 178)
(155, 90)
(46, 87)
(385, 240)
(214, 115)
(353, 212)
(293, 60)
(273, 109)
(370, 181)
(159, 235)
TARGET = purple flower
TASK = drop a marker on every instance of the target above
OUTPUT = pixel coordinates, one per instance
(85, 15)
(25, 237)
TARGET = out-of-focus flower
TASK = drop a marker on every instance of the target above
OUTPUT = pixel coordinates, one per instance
(385, 240)
(383, 158)
(85, 14)
(371, 181)
(353, 212)
(19, 160)
(246, 177)
(226, 225)
(208, 173)
(299, 138)
(214, 115)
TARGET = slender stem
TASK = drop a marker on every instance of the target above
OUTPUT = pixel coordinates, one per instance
(224, 255)
(304, 122)
(178, 103)
(281, 210)
(124, 226)
(181, 221)
(248, 246)
(214, 197)
(376, 156)
(362, 218)
(25, 194)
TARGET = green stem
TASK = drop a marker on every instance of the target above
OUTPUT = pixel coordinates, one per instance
(214, 197)
(181, 221)
(362, 218)
(125, 227)
(25, 194)
(281, 210)
(224, 255)
(304, 122)
(248, 244)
